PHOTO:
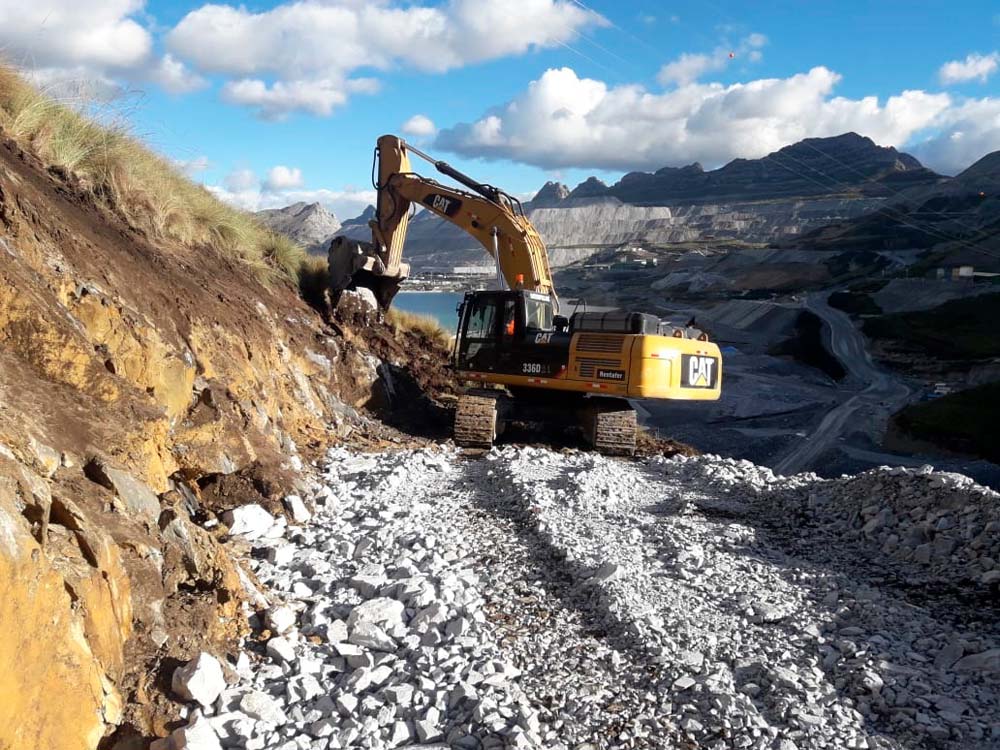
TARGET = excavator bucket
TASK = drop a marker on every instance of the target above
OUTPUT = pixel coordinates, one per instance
(377, 265)
(354, 263)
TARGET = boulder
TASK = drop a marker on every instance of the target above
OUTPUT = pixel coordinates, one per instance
(380, 611)
(137, 497)
(200, 680)
(198, 735)
(249, 521)
(987, 662)
(297, 508)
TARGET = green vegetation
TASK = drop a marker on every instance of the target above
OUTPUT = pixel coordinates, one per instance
(854, 264)
(143, 188)
(806, 346)
(855, 303)
(962, 329)
(963, 421)
(424, 325)
(314, 278)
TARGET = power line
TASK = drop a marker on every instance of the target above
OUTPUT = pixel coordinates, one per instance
(900, 217)
(897, 193)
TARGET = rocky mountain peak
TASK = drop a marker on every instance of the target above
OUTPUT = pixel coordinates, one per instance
(843, 164)
(857, 149)
(551, 194)
(589, 188)
(361, 219)
(309, 224)
(987, 168)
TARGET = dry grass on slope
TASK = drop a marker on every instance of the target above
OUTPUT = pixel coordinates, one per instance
(425, 325)
(145, 189)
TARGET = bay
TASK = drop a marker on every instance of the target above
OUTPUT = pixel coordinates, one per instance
(442, 306)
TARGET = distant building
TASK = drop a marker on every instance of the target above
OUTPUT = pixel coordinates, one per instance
(473, 270)
(957, 273)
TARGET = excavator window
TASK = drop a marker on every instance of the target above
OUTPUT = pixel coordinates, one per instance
(538, 314)
(509, 311)
(477, 346)
(482, 319)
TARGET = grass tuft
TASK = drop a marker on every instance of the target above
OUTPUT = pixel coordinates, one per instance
(423, 325)
(143, 188)
(314, 278)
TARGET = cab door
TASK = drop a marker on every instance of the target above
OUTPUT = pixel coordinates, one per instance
(481, 330)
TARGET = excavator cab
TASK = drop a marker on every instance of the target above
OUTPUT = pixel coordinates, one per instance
(512, 332)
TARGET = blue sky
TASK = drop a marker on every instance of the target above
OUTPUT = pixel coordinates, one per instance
(516, 93)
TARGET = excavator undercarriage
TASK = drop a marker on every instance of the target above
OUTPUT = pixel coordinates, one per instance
(607, 424)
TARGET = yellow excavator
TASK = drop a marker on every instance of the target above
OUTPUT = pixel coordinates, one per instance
(522, 359)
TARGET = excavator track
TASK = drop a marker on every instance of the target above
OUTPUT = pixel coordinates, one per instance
(476, 421)
(609, 425)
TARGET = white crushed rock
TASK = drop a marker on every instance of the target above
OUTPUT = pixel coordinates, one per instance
(200, 680)
(530, 599)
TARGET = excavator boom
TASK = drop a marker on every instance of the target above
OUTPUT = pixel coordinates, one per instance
(487, 213)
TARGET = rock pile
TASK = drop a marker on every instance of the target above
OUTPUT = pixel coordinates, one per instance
(924, 526)
(534, 599)
(382, 640)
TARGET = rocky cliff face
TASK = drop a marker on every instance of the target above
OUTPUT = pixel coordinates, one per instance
(145, 388)
(309, 224)
(783, 195)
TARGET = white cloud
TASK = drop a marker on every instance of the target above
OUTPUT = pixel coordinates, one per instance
(420, 126)
(562, 120)
(61, 33)
(283, 178)
(241, 181)
(967, 132)
(192, 167)
(73, 44)
(973, 66)
(75, 86)
(300, 56)
(689, 67)
(174, 77)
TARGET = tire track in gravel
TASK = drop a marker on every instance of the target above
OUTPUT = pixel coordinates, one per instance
(592, 681)
(732, 622)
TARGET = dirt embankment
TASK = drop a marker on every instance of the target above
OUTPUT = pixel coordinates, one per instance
(142, 385)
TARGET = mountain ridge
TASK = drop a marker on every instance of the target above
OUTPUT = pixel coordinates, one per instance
(791, 192)
(309, 224)
(813, 166)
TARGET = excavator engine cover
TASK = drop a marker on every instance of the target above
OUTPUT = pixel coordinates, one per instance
(615, 322)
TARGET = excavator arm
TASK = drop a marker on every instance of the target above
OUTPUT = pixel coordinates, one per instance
(491, 216)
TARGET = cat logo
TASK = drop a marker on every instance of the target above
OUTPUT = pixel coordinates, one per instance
(699, 372)
(442, 204)
(543, 338)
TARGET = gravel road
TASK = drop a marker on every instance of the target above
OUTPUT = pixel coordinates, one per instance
(883, 393)
(532, 599)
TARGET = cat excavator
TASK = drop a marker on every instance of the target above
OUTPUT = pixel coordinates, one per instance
(521, 358)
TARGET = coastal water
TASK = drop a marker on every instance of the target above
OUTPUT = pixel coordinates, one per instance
(442, 306)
